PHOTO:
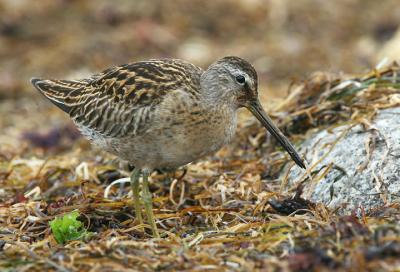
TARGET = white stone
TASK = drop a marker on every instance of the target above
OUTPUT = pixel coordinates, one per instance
(376, 185)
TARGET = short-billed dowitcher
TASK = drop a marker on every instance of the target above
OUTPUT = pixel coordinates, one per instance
(161, 113)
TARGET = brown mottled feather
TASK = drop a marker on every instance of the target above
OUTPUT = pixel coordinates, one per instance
(107, 102)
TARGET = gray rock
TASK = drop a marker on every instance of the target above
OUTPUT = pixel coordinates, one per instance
(365, 164)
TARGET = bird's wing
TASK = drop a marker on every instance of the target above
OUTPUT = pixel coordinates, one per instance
(120, 100)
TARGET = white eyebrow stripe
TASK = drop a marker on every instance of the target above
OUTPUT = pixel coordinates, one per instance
(250, 81)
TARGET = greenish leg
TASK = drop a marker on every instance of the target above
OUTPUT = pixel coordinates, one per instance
(136, 197)
(148, 204)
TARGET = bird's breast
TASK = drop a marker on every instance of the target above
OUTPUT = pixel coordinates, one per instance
(192, 134)
(208, 133)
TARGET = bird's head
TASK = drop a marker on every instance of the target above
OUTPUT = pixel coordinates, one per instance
(233, 80)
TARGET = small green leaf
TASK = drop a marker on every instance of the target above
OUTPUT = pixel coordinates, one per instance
(68, 228)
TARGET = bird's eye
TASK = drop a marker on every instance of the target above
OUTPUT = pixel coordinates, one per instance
(240, 79)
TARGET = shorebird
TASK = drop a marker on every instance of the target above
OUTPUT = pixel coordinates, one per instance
(161, 113)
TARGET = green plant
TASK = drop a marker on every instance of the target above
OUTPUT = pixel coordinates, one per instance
(68, 228)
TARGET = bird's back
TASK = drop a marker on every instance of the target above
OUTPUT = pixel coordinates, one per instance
(119, 101)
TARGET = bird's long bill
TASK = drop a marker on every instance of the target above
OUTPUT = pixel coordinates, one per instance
(257, 110)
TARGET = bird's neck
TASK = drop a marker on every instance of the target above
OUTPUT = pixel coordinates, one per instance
(216, 103)
(213, 94)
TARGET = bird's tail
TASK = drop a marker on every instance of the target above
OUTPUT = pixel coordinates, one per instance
(59, 92)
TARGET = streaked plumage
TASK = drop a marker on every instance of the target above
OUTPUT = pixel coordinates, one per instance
(162, 113)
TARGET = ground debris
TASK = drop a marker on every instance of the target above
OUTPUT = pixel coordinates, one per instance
(295, 204)
(228, 212)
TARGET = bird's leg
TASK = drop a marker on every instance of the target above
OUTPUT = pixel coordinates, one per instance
(148, 205)
(136, 197)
